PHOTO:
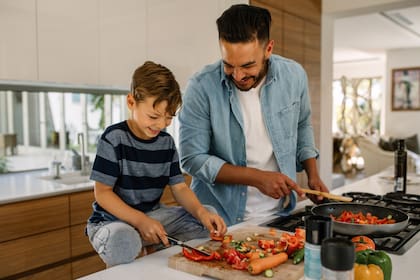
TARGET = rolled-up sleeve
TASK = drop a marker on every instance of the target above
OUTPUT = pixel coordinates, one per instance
(195, 135)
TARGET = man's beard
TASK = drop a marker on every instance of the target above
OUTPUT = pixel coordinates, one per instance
(257, 79)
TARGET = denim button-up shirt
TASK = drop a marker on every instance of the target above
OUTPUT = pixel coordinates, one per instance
(212, 134)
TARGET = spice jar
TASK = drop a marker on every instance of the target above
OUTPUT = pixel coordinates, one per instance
(337, 259)
(317, 228)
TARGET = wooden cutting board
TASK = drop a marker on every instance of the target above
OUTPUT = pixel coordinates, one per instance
(221, 270)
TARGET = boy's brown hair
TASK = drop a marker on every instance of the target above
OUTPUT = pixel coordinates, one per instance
(155, 80)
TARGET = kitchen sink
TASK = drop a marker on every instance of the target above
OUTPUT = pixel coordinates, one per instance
(71, 178)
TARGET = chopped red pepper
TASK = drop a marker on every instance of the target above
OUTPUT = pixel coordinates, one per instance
(195, 256)
(266, 244)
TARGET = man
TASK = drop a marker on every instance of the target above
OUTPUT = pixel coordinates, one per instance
(245, 125)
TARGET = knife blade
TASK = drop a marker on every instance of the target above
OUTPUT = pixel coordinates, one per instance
(182, 244)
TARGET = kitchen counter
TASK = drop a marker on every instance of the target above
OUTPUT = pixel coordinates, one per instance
(21, 186)
(155, 266)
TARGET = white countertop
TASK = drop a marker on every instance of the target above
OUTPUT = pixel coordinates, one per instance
(155, 266)
(21, 186)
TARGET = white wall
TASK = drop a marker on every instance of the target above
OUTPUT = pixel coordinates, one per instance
(401, 123)
(359, 69)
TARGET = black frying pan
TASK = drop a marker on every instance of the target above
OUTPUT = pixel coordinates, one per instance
(335, 209)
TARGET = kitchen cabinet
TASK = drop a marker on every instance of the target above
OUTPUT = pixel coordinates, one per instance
(68, 41)
(46, 237)
(120, 53)
(101, 42)
(293, 39)
(18, 49)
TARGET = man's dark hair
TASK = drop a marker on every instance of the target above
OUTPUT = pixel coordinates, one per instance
(244, 23)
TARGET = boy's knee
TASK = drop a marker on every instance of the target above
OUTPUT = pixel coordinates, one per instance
(118, 245)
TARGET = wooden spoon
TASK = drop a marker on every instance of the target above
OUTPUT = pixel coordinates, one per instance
(328, 195)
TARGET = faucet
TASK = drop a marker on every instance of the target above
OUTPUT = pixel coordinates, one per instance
(81, 142)
(56, 165)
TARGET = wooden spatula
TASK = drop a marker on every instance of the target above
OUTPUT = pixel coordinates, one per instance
(328, 195)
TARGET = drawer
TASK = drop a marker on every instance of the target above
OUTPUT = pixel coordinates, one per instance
(87, 266)
(34, 251)
(31, 217)
(62, 272)
(81, 207)
(79, 241)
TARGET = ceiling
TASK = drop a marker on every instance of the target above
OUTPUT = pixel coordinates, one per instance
(367, 37)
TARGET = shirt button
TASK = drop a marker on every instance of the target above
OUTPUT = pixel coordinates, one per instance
(239, 219)
(243, 193)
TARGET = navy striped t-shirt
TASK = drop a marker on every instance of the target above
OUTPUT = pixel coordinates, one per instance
(138, 170)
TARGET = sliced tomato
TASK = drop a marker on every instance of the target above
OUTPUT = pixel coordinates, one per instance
(241, 265)
(300, 233)
(227, 238)
(231, 256)
(266, 244)
(216, 237)
(292, 245)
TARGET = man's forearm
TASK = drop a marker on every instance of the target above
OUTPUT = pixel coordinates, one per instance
(239, 175)
(311, 167)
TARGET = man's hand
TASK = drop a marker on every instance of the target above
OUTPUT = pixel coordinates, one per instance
(276, 184)
(316, 184)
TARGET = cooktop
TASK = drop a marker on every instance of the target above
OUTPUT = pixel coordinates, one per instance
(396, 244)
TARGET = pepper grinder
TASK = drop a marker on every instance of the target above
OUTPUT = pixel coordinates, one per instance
(337, 259)
(400, 168)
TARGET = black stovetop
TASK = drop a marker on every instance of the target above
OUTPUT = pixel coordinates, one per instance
(396, 244)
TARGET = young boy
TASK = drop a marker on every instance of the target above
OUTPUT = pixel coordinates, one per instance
(135, 161)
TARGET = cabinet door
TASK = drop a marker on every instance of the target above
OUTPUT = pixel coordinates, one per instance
(87, 266)
(68, 40)
(34, 251)
(293, 37)
(79, 241)
(123, 35)
(310, 10)
(81, 207)
(62, 272)
(18, 40)
(276, 11)
(312, 65)
(31, 217)
(183, 43)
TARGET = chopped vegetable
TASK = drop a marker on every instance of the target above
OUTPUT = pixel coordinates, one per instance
(259, 265)
(216, 237)
(195, 256)
(269, 273)
(360, 218)
(298, 255)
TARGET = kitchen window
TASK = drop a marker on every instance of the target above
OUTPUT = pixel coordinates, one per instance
(45, 122)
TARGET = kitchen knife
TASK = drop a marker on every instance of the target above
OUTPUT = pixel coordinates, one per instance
(328, 195)
(182, 244)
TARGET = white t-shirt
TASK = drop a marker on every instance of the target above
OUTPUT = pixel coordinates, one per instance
(259, 151)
